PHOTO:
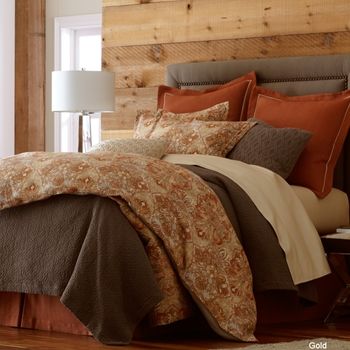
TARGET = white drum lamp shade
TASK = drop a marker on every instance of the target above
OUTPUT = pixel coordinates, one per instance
(83, 91)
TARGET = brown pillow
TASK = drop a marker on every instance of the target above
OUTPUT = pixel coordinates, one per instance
(215, 138)
(236, 92)
(277, 149)
(326, 116)
(147, 120)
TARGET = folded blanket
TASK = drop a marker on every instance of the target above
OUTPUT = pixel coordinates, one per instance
(280, 206)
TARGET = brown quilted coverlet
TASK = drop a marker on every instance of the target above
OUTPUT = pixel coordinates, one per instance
(84, 250)
(170, 207)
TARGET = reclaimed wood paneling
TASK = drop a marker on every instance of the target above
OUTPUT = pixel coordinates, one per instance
(200, 20)
(142, 37)
(128, 101)
(30, 76)
(117, 134)
(107, 3)
(145, 65)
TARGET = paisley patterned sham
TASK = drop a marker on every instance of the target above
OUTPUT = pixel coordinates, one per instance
(200, 137)
(174, 210)
(147, 120)
(147, 147)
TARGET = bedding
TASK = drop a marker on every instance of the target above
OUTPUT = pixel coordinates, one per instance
(147, 147)
(270, 271)
(293, 76)
(147, 120)
(328, 213)
(236, 92)
(200, 137)
(151, 200)
(34, 164)
(79, 258)
(277, 149)
(296, 234)
(326, 116)
(201, 132)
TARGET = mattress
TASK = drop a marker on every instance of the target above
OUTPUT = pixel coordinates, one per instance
(328, 213)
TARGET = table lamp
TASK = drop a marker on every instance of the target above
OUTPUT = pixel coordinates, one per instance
(83, 92)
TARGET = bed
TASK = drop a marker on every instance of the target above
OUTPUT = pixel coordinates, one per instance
(296, 76)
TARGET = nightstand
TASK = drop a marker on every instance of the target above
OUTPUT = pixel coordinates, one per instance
(335, 245)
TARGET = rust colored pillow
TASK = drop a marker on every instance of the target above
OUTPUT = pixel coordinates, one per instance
(236, 92)
(326, 116)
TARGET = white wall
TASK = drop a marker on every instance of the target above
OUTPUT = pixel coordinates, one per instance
(7, 77)
(60, 8)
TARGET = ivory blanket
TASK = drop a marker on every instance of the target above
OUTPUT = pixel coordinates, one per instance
(280, 206)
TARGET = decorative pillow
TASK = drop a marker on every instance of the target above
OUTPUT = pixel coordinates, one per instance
(151, 148)
(277, 149)
(147, 120)
(200, 137)
(326, 116)
(236, 92)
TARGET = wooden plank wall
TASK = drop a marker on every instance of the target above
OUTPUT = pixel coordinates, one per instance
(30, 76)
(141, 37)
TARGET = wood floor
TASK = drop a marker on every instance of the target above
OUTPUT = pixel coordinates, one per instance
(15, 339)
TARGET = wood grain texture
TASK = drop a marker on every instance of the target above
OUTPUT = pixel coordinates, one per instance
(116, 134)
(128, 101)
(30, 76)
(142, 37)
(139, 71)
(40, 340)
(200, 20)
(145, 65)
(107, 3)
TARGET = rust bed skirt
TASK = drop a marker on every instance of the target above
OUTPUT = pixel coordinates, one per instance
(38, 312)
(48, 313)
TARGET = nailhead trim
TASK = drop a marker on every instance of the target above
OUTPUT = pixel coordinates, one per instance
(328, 77)
(198, 83)
(264, 81)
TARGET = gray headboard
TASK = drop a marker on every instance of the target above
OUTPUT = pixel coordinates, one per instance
(290, 75)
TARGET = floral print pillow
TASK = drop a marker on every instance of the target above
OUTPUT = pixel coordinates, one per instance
(147, 147)
(145, 123)
(215, 138)
(146, 120)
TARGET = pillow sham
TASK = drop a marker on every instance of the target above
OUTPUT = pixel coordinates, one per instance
(326, 116)
(147, 147)
(215, 138)
(147, 120)
(277, 149)
(236, 92)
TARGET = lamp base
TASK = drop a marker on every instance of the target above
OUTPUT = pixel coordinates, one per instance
(84, 142)
(80, 137)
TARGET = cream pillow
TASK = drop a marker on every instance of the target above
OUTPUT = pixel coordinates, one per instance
(147, 147)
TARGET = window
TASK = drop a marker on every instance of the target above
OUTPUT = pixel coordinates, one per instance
(77, 46)
(7, 74)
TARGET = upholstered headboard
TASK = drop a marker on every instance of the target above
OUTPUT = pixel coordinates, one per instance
(290, 75)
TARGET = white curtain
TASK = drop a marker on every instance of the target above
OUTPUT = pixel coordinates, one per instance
(7, 77)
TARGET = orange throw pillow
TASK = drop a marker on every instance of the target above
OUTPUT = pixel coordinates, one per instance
(326, 116)
(236, 92)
